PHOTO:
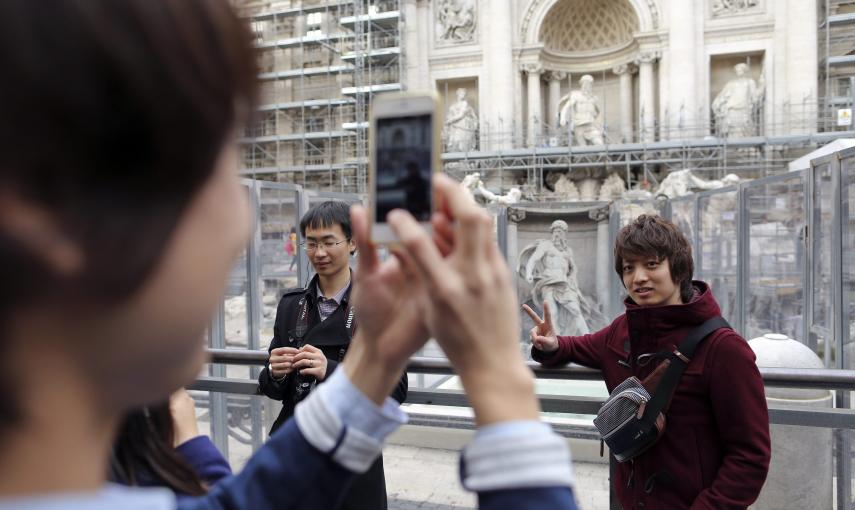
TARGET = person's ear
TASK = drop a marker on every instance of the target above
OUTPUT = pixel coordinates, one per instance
(40, 234)
(351, 246)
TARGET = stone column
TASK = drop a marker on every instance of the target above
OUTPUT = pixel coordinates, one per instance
(534, 70)
(554, 78)
(801, 66)
(498, 76)
(683, 78)
(625, 71)
(646, 93)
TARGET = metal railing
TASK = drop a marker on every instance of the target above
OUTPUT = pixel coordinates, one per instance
(827, 379)
(823, 379)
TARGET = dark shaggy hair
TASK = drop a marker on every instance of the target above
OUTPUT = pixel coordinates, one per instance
(654, 236)
(114, 113)
(143, 454)
(327, 214)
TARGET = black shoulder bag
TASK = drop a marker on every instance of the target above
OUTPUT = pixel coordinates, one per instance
(630, 421)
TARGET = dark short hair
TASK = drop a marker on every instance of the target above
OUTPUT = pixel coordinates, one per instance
(325, 215)
(114, 113)
(654, 236)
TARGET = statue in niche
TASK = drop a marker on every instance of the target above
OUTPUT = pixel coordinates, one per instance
(735, 106)
(732, 6)
(612, 188)
(683, 182)
(565, 189)
(579, 111)
(550, 266)
(456, 20)
(461, 125)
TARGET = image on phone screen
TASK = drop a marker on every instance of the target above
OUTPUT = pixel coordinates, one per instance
(403, 166)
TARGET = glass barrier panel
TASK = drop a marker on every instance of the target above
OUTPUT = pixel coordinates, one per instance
(775, 293)
(683, 216)
(820, 337)
(717, 254)
(847, 178)
(278, 261)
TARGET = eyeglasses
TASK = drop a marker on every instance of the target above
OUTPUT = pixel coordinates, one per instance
(311, 246)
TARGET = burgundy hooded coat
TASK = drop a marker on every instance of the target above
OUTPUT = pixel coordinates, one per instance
(715, 450)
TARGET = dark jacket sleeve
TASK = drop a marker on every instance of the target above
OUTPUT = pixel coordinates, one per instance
(204, 457)
(546, 498)
(266, 384)
(742, 419)
(287, 473)
(400, 391)
(587, 350)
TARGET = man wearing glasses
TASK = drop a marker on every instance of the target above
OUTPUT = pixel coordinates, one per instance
(312, 332)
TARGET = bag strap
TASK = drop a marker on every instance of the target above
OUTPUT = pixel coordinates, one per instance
(679, 361)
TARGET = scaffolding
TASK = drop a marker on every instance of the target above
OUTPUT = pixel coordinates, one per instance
(836, 60)
(321, 61)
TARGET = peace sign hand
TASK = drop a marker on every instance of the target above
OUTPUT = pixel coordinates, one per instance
(543, 335)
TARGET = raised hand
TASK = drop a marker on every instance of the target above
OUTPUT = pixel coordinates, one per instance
(386, 299)
(471, 307)
(543, 335)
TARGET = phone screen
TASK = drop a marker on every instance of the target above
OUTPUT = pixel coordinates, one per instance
(403, 166)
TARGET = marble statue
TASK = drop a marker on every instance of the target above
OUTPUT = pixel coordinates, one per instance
(732, 6)
(550, 266)
(455, 21)
(683, 182)
(471, 184)
(461, 125)
(735, 105)
(565, 189)
(589, 190)
(511, 197)
(579, 111)
(612, 188)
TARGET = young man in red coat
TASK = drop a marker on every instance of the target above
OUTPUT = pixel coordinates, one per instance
(715, 451)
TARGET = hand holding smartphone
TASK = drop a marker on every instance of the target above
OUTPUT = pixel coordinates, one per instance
(405, 145)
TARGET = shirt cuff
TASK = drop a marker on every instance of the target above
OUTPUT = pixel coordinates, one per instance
(339, 420)
(515, 455)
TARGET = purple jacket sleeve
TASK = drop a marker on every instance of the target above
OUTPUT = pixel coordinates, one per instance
(205, 458)
(587, 350)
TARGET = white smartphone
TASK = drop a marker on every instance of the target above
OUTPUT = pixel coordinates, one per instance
(405, 145)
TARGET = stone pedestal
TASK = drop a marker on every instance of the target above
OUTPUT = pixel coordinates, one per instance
(800, 474)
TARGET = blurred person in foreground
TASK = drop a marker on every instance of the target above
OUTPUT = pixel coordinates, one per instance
(160, 446)
(715, 449)
(119, 145)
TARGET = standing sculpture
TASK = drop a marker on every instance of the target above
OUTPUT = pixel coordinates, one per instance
(550, 266)
(734, 107)
(456, 21)
(579, 111)
(461, 125)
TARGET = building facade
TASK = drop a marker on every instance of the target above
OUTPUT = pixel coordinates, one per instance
(645, 86)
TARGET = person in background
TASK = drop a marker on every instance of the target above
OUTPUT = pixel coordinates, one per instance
(313, 330)
(291, 247)
(715, 449)
(160, 446)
